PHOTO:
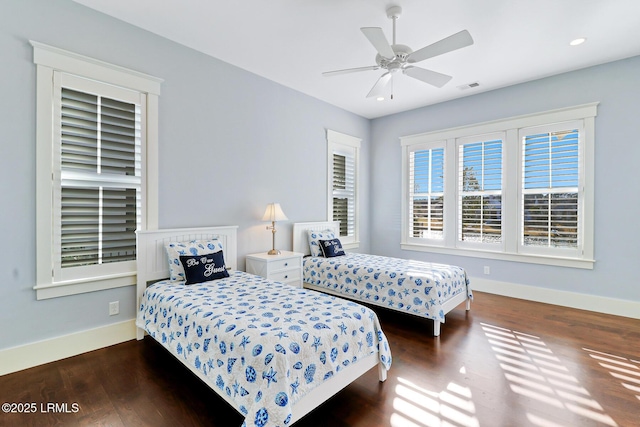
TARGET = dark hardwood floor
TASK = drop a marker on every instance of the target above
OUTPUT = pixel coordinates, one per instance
(507, 362)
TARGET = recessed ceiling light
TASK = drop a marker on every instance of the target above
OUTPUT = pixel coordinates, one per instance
(380, 98)
(578, 41)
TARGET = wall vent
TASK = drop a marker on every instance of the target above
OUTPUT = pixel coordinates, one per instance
(469, 86)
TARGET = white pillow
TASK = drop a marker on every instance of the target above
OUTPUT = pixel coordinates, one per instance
(192, 247)
(314, 236)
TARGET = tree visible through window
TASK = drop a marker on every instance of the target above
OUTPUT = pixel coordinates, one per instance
(480, 204)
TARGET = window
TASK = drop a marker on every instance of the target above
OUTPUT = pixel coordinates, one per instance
(99, 191)
(521, 189)
(480, 190)
(343, 155)
(95, 125)
(551, 192)
(426, 189)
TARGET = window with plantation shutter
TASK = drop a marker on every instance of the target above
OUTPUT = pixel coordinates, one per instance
(480, 190)
(343, 176)
(96, 152)
(551, 192)
(426, 197)
(100, 179)
(519, 189)
(344, 193)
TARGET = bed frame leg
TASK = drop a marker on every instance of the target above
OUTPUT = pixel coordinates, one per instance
(382, 372)
(468, 304)
(436, 328)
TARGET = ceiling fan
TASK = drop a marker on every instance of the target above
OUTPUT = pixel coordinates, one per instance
(394, 58)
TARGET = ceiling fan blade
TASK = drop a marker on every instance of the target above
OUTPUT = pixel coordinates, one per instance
(448, 44)
(378, 88)
(427, 76)
(350, 70)
(379, 41)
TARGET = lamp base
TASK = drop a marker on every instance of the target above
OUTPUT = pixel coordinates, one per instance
(273, 252)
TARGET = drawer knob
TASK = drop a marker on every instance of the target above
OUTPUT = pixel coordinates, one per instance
(286, 264)
(286, 276)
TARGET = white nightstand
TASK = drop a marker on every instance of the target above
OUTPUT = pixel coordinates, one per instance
(286, 267)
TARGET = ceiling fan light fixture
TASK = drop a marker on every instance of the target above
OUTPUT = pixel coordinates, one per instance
(578, 41)
(393, 57)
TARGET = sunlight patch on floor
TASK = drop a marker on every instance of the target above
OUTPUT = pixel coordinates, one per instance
(534, 372)
(415, 406)
(621, 368)
(541, 422)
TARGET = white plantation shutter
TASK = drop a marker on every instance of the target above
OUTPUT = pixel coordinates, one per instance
(99, 178)
(344, 192)
(343, 185)
(100, 172)
(480, 190)
(344, 188)
(551, 191)
(426, 193)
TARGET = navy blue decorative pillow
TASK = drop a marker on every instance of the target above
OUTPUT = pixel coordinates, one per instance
(331, 248)
(202, 268)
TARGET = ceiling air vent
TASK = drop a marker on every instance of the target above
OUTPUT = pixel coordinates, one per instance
(469, 86)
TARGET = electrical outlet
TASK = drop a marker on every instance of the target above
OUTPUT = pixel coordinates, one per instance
(487, 269)
(114, 308)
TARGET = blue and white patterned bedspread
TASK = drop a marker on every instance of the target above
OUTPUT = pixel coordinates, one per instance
(264, 344)
(415, 287)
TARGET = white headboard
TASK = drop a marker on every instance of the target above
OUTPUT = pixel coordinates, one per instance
(300, 237)
(152, 262)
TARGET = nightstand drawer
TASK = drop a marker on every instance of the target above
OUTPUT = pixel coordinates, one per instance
(286, 275)
(284, 264)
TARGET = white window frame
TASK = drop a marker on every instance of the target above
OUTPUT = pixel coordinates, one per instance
(511, 249)
(346, 145)
(51, 63)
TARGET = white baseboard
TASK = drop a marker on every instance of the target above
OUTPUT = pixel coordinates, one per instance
(40, 352)
(595, 303)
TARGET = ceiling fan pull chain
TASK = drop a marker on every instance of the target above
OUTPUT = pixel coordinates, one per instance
(391, 97)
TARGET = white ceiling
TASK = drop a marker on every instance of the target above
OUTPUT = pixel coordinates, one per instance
(292, 42)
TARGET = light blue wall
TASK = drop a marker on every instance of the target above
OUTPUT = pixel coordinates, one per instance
(617, 229)
(230, 142)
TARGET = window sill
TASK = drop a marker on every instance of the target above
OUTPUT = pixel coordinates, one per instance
(531, 259)
(74, 287)
(352, 245)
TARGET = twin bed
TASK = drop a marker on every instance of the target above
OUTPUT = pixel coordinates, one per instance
(422, 289)
(272, 351)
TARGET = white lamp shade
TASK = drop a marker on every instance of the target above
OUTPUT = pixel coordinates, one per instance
(274, 213)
